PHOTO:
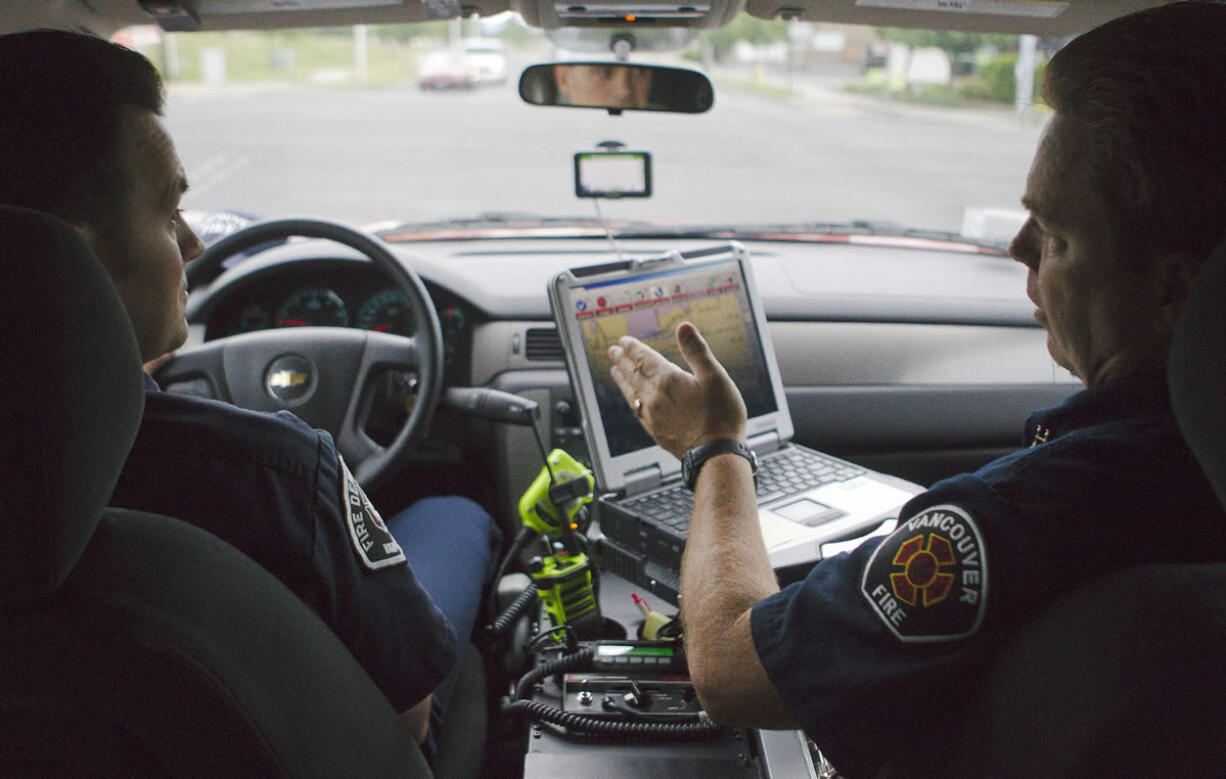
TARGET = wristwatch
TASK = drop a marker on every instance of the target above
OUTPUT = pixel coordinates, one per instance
(693, 460)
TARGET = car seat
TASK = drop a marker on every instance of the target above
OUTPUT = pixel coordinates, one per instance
(132, 643)
(1125, 677)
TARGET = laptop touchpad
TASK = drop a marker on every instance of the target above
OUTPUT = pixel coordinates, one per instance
(808, 512)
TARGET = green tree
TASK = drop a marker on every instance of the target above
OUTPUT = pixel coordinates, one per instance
(952, 42)
(745, 28)
(403, 33)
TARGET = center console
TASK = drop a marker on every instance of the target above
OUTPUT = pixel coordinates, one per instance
(654, 678)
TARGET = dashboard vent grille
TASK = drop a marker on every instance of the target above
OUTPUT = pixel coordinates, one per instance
(543, 345)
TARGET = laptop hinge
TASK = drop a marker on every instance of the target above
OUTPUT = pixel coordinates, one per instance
(642, 479)
(765, 443)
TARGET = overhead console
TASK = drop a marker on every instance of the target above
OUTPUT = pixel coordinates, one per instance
(552, 14)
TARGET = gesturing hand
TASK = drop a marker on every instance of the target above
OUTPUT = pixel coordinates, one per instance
(680, 410)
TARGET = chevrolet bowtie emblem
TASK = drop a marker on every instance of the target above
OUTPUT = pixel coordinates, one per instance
(282, 379)
(290, 379)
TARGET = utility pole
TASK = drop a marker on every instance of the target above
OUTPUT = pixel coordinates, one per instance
(361, 54)
(1024, 73)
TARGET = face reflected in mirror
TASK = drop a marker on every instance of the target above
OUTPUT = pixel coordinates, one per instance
(616, 86)
(603, 86)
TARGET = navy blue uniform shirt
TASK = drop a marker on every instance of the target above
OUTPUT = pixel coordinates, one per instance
(878, 651)
(274, 488)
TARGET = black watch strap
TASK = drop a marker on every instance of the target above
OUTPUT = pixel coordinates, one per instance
(693, 460)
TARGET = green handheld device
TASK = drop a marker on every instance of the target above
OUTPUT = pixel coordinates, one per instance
(550, 507)
(554, 498)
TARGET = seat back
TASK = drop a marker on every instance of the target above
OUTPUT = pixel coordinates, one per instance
(1197, 370)
(1124, 677)
(135, 644)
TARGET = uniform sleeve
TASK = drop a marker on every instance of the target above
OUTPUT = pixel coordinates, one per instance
(378, 608)
(271, 485)
(879, 649)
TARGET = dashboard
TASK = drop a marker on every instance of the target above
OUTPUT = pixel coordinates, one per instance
(914, 361)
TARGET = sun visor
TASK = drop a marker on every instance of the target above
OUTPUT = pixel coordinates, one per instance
(1046, 18)
(272, 14)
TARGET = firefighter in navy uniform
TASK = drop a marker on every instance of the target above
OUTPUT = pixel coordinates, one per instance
(396, 592)
(81, 138)
(877, 652)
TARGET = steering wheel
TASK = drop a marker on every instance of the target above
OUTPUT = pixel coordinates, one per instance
(325, 375)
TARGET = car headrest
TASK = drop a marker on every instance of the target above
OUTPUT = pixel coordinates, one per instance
(1196, 370)
(72, 399)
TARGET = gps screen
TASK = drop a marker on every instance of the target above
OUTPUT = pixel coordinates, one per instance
(613, 174)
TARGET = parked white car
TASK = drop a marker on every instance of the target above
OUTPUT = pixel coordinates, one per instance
(488, 57)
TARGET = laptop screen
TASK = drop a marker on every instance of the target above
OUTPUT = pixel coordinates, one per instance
(649, 307)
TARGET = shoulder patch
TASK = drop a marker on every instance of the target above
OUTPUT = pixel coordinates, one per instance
(373, 542)
(928, 581)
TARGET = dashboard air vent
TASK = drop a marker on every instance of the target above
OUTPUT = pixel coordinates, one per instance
(543, 345)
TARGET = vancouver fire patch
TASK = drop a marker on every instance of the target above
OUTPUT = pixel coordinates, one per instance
(928, 581)
(372, 540)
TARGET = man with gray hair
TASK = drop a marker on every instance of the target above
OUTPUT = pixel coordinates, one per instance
(877, 653)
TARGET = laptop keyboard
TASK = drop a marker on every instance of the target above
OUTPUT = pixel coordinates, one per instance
(786, 472)
(794, 470)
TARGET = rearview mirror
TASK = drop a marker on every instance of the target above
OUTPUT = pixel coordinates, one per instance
(617, 86)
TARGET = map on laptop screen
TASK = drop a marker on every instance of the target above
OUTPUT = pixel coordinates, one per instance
(649, 307)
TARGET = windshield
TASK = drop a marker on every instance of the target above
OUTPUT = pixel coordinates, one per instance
(811, 123)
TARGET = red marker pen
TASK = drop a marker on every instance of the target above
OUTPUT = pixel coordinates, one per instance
(642, 604)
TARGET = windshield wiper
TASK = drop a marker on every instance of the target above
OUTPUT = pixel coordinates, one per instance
(893, 228)
(500, 219)
(505, 223)
(813, 231)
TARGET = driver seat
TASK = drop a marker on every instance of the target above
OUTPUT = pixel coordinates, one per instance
(1125, 676)
(132, 643)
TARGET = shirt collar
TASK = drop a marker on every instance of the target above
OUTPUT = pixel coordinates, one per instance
(150, 384)
(1138, 394)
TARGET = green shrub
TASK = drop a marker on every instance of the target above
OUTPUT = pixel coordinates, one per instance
(974, 88)
(935, 94)
(999, 79)
(1039, 71)
(1001, 84)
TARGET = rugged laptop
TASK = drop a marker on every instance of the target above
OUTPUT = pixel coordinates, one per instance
(806, 499)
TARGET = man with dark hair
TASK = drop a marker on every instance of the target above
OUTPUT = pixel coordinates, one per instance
(81, 138)
(68, 128)
(879, 651)
(62, 130)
